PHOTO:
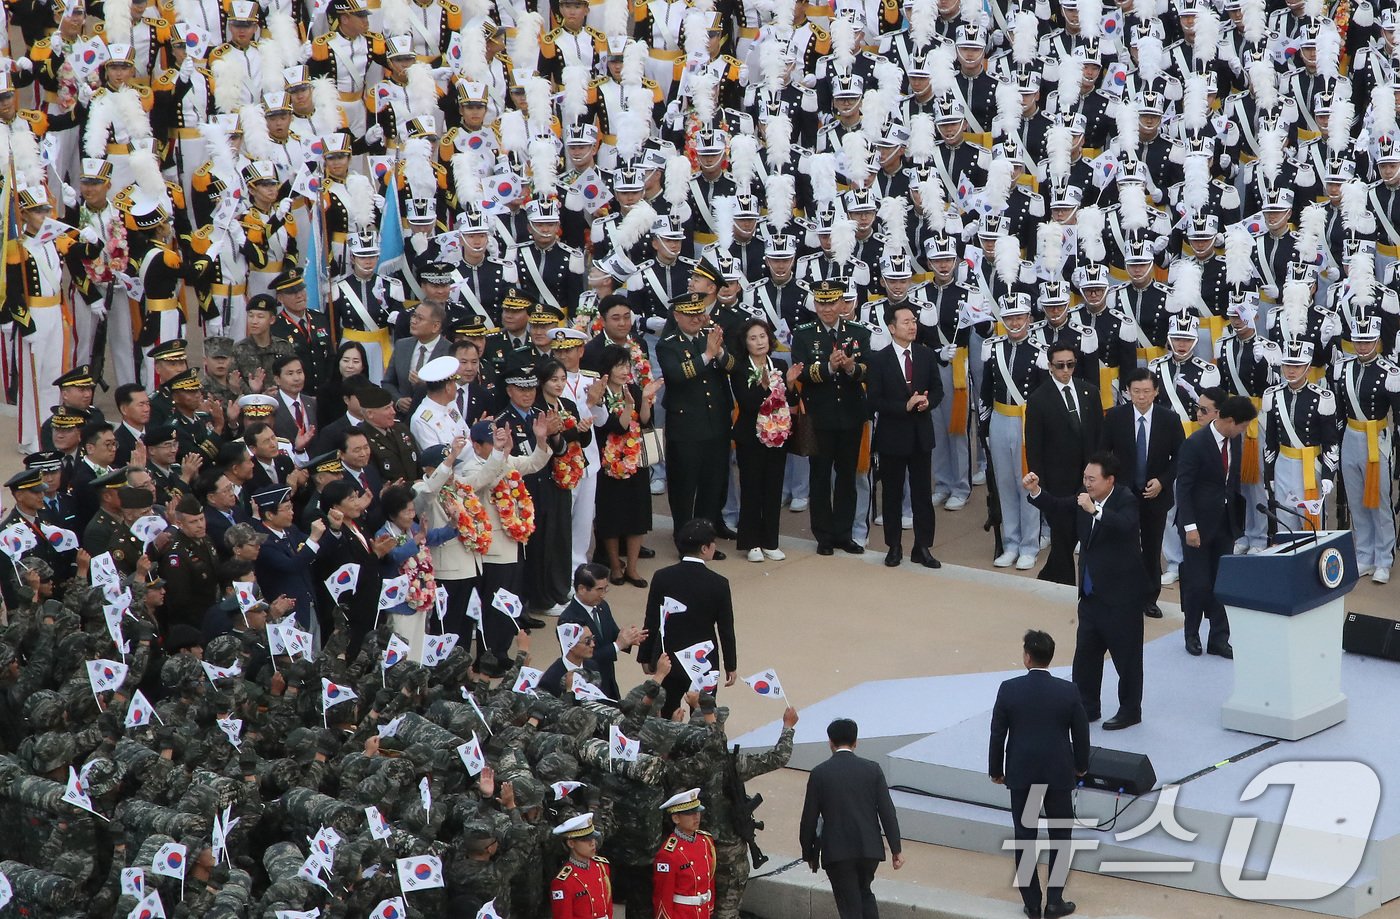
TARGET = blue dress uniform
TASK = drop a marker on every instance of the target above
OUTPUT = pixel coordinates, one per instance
(1012, 368)
(1243, 359)
(943, 326)
(1300, 439)
(1369, 392)
(310, 333)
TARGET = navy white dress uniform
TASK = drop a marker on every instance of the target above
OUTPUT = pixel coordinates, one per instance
(1300, 437)
(434, 422)
(360, 307)
(1245, 362)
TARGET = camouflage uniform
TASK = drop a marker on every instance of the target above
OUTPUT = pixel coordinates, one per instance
(250, 357)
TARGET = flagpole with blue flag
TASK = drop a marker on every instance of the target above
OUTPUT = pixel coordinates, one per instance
(314, 265)
(391, 241)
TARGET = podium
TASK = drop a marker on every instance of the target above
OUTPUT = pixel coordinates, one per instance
(1286, 613)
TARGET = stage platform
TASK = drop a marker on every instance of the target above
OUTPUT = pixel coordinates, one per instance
(931, 736)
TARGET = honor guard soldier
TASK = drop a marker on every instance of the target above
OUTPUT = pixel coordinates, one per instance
(683, 882)
(347, 54)
(34, 302)
(309, 332)
(1116, 331)
(482, 275)
(780, 296)
(1299, 316)
(1245, 360)
(151, 237)
(1300, 436)
(583, 887)
(1061, 327)
(1012, 366)
(547, 269)
(362, 302)
(663, 278)
(1369, 388)
(1145, 299)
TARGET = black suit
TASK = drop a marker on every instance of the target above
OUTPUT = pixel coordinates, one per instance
(1058, 444)
(709, 616)
(904, 439)
(1164, 440)
(1040, 738)
(362, 604)
(373, 517)
(850, 798)
(605, 632)
(1112, 586)
(262, 480)
(1211, 504)
(218, 524)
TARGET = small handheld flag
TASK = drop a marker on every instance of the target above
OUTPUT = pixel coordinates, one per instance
(345, 578)
(471, 755)
(169, 861)
(622, 747)
(766, 683)
(419, 872)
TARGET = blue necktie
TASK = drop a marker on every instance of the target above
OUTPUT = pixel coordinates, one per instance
(1142, 451)
(1088, 582)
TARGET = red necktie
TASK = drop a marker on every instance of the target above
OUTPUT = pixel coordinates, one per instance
(364, 482)
(1225, 458)
(908, 369)
(300, 416)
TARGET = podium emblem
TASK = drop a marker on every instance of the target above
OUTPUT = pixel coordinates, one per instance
(1330, 568)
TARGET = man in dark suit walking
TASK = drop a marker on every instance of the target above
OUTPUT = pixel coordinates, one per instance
(904, 386)
(850, 798)
(707, 614)
(1210, 515)
(1112, 583)
(1063, 424)
(1146, 438)
(1039, 746)
(589, 607)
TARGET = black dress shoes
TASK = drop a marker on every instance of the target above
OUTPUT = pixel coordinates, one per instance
(922, 556)
(724, 532)
(1032, 912)
(530, 622)
(1153, 612)
(824, 549)
(1222, 648)
(1122, 720)
(1063, 908)
(720, 556)
(644, 552)
(1193, 645)
(1093, 716)
(851, 547)
(893, 558)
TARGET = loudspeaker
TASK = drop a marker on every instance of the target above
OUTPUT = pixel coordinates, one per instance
(1371, 636)
(1119, 771)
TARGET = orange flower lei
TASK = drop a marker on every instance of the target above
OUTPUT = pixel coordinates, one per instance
(473, 526)
(516, 507)
(641, 367)
(567, 470)
(622, 453)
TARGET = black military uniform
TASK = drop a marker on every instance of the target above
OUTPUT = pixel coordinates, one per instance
(310, 334)
(196, 433)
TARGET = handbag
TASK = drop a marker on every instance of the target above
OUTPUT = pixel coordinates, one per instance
(803, 441)
(653, 447)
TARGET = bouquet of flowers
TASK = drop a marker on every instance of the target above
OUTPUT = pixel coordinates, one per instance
(422, 586)
(516, 507)
(462, 505)
(115, 256)
(774, 418)
(622, 453)
(567, 470)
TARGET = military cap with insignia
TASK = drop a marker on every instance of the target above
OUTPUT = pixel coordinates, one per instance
(289, 281)
(515, 300)
(80, 377)
(563, 339)
(44, 461)
(684, 802)
(176, 349)
(707, 269)
(522, 377)
(263, 303)
(544, 314)
(474, 327)
(66, 419)
(439, 369)
(437, 273)
(25, 479)
(828, 290)
(257, 406)
(269, 499)
(326, 462)
(184, 381)
(114, 479)
(580, 827)
(690, 304)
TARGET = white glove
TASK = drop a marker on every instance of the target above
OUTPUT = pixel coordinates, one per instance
(810, 81)
(235, 233)
(744, 74)
(24, 65)
(98, 310)
(1089, 340)
(1271, 291)
(969, 230)
(70, 195)
(284, 207)
(654, 324)
(1326, 486)
(186, 69)
(440, 73)
(89, 235)
(948, 352)
(374, 134)
(379, 202)
(419, 242)
(84, 92)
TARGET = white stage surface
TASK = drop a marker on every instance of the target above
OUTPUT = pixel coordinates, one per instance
(931, 736)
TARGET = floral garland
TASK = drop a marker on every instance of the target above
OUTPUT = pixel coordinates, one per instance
(462, 505)
(641, 367)
(567, 470)
(516, 507)
(774, 417)
(622, 453)
(422, 585)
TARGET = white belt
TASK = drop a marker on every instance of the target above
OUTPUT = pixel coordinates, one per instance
(696, 900)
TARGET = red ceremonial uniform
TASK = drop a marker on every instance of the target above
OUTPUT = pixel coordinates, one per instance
(582, 891)
(683, 878)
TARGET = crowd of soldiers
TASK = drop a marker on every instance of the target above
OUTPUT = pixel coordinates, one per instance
(401, 218)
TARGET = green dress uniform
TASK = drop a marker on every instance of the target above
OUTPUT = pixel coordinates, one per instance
(393, 452)
(188, 566)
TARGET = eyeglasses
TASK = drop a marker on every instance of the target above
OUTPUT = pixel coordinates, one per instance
(1065, 365)
(589, 641)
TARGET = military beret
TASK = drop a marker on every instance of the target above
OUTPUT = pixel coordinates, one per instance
(189, 505)
(372, 396)
(158, 434)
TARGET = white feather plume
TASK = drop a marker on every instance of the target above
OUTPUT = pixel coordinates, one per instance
(326, 113)
(1126, 120)
(1256, 19)
(1263, 82)
(1186, 286)
(843, 239)
(943, 67)
(1205, 44)
(5, 157)
(216, 145)
(722, 207)
(145, 174)
(1025, 37)
(856, 147)
(101, 117)
(117, 23)
(1271, 153)
(996, 192)
(634, 63)
(1356, 207)
(770, 59)
(394, 17)
(24, 153)
(544, 165)
(921, 138)
(1071, 81)
(777, 139)
(525, 46)
(283, 31)
(1239, 255)
(702, 97)
(418, 173)
(1006, 258)
(675, 184)
(695, 27)
(573, 105)
(359, 200)
(257, 144)
(633, 125)
(743, 161)
(933, 204)
(1361, 276)
(1089, 224)
(1132, 200)
(1058, 144)
(1313, 9)
(781, 192)
(421, 91)
(843, 42)
(1329, 50)
(970, 11)
(230, 83)
(1382, 110)
(1049, 246)
(1195, 103)
(617, 18)
(1150, 54)
(1293, 319)
(1008, 112)
(894, 217)
(1091, 18)
(634, 226)
(474, 65)
(783, 17)
(1312, 227)
(821, 169)
(466, 181)
(539, 100)
(1339, 120)
(514, 134)
(922, 22)
(473, 11)
(1195, 184)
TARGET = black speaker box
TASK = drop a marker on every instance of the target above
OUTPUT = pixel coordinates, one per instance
(1119, 771)
(1371, 636)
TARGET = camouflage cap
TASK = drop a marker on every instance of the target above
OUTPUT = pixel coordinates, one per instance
(282, 860)
(180, 672)
(103, 776)
(300, 744)
(51, 751)
(529, 792)
(34, 564)
(222, 650)
(557, 767)
(44, 711)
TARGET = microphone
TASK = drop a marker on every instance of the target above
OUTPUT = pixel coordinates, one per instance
(1275, 504)
(1263, 508)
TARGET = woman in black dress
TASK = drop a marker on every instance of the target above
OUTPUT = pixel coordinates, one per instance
(763, 391)
(624, 497)
(550, 551)
(350, 369)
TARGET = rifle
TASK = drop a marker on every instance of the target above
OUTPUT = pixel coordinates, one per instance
(744, 806)
(993, 498)
(99, 338)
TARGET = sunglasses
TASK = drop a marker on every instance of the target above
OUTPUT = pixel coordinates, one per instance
(1065, 365)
